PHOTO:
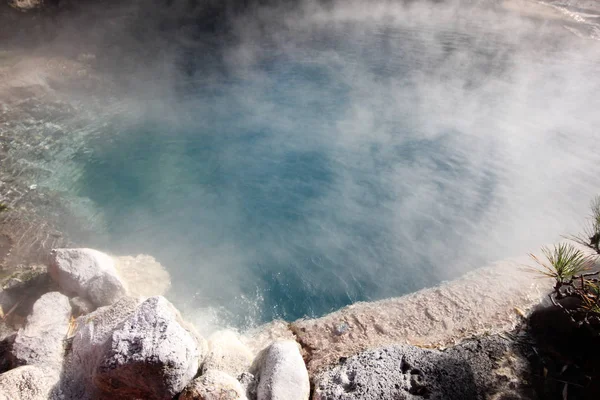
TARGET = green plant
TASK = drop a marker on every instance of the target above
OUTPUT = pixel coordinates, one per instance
(3, 207)
(564, 263)
(575, 273)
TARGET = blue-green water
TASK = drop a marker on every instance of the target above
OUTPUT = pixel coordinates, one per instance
(343, 161)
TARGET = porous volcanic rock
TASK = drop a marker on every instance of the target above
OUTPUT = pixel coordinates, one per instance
(484, 368)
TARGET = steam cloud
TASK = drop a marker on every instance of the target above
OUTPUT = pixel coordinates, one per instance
(349, 151)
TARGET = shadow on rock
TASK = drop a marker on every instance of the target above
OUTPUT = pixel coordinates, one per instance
(566, 362)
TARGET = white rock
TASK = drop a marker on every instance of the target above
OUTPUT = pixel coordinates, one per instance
(281, 373)
(92, 332)
(153, 354)
(28, 382)
(88, 273)
(214, 385)
(41, 340)
(227, 354)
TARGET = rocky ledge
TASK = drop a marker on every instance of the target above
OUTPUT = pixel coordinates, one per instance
(100, 328)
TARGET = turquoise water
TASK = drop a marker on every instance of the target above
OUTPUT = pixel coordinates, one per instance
(342, 161)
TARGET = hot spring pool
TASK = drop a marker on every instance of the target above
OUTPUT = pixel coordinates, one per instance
(343, 155)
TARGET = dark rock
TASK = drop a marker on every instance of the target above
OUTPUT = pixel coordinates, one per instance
(475, 369)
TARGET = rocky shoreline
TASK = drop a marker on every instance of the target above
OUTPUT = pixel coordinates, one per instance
(88, 336)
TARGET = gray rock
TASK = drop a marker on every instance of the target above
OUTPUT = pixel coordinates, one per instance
(281, 373)
(478, 369)
(40, 342)
(150, 355)
(28, 382)
(88, 273)
(214, 385)
(92, 332)
(227, 354)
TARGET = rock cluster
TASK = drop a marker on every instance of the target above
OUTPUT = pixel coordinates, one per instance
(93, 335)
(96, 338)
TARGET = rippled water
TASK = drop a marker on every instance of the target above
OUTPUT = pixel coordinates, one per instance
(330, 157)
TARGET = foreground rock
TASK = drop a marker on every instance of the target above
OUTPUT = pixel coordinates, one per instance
(93, 331)
(28, 383)
(214, 385)
(41, 341)
(151, 355)
(479, 369)
(227, 354)
(127, 350)
(88, 273)
(281, 373)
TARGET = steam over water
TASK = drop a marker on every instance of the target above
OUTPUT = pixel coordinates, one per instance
(331, 155)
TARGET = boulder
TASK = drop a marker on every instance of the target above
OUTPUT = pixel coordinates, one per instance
(281, 373)
(152, 354)
(28, 382)
(92, 332)
(400, 372)
(41, 341)
(227, 354)
(214, 385)
(87, 273)
(489, 367)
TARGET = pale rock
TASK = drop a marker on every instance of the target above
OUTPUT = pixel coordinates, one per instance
(29, 382)
(88, 273)
(152, 354)
(41, 340)
(281, 373)
(144, 276)
(214, 385)
(227, 354)
(92, 332)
